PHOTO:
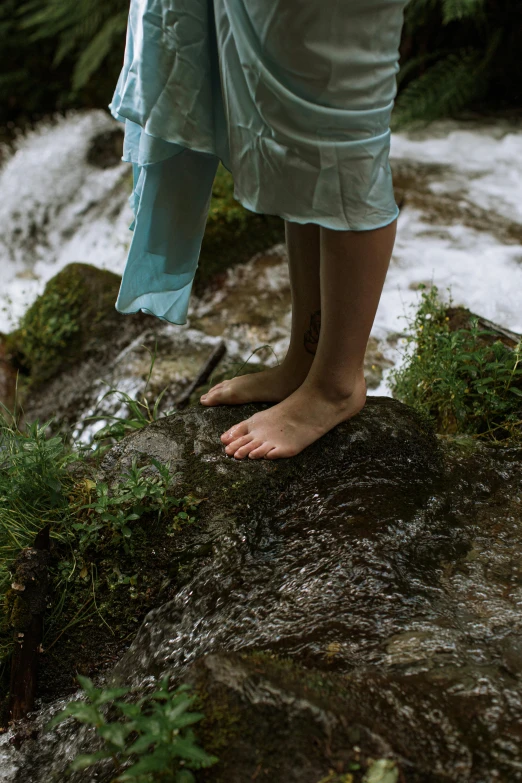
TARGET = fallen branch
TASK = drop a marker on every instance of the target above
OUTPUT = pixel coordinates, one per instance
(203, 375)
(27, 601)
(460, 318)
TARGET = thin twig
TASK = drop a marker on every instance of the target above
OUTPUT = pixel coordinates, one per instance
(203, 375)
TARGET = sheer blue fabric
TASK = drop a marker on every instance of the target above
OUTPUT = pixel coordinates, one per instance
(294, 98)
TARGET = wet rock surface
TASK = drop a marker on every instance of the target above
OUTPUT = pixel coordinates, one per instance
(359, 601)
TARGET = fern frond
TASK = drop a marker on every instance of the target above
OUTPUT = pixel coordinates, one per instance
(100, 46)
(443, 90)
(417, 13)
(454, 10)
(414, 63)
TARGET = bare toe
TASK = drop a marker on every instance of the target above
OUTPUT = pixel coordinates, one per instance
(261, 450)
(208, 397)
(247, 448)
(235, 432)
(236, 444)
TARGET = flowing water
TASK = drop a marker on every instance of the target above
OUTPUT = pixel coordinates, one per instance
(459, 184)
(370, 561)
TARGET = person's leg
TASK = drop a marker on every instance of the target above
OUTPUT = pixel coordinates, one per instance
(353, 271)
(273, 385)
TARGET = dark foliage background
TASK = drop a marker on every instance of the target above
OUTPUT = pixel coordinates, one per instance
(455, 55)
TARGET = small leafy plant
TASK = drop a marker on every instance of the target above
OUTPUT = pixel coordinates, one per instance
(34, 482)
(139, 412)
(462, 379)
(112, 510)
(148, 740)
(90, 522)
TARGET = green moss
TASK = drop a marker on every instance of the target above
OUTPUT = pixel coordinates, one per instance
(233, 234)
(222, 722)
(68, 318)
(18, 611)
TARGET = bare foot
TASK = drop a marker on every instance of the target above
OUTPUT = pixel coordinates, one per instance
(286, 429)
(271, 385)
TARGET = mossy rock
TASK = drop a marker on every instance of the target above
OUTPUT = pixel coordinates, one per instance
(74, 315)
(233, 234)
(270, 718)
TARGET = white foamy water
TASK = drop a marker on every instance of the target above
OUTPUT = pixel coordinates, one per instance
(481, 167)
(57, 208)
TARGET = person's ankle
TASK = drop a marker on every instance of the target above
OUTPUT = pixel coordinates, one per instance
(338, 390)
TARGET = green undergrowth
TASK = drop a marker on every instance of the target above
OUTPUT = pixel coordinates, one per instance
(111, 544)
(233, 234)
(148, 739)
(465, 379)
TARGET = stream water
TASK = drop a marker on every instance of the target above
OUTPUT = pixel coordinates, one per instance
(460, 185)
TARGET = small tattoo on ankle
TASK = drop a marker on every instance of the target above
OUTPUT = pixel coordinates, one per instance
(311, 336)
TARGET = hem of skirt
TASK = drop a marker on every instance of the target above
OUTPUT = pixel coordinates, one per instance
(149, 312)
(302, 221)
(241, 199)
(116, 113)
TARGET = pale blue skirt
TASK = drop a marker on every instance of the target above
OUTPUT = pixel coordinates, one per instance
(293, 96)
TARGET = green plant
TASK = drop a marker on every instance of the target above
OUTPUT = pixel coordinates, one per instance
(112, 509)
(34, 485)
(454, 53)
(148, 740)
(139, 412)
(87, 519)
(88, 29)
(464, 379)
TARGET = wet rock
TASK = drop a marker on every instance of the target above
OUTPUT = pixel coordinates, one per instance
(461, 317)
(106, 149)
(268, 718)
(352, 560)
(360, 601)
(385, 431)
(175, 354)
(73, 319)
(66, 340)
(73, 346)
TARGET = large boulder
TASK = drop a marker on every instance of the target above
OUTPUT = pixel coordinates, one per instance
(72, 346)
(371, 568)
(356, 603)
